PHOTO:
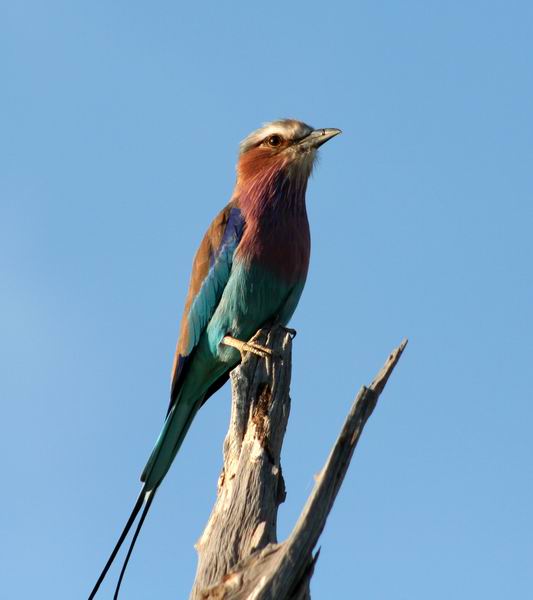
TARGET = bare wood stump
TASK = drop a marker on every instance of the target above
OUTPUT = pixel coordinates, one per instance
(239, 556)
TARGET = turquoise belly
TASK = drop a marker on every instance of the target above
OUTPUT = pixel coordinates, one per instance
(252, 297)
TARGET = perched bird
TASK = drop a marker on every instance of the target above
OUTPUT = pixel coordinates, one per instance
(249, 271)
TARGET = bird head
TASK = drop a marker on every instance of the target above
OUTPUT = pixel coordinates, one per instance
(286, 147)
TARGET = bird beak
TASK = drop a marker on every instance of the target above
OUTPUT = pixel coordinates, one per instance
(318, 137)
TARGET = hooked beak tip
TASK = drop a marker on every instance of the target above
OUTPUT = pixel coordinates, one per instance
(320, 136)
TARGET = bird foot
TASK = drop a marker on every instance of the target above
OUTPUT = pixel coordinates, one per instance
(290, 331)
(252, 347)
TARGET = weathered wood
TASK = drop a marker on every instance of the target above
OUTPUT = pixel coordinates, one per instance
(251, 485)
(239, 557)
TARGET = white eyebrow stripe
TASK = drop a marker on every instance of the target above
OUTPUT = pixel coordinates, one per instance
(287, 128)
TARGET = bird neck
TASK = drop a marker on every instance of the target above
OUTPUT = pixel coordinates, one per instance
(276, 235)
(272, 195)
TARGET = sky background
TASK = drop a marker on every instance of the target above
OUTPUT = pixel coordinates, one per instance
(119, 127)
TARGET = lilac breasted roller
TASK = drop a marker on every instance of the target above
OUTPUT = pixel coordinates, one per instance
(249, 271)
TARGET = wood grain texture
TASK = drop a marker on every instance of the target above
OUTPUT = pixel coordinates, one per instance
(239, 556)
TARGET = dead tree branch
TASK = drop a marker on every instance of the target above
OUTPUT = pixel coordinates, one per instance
(239, 557)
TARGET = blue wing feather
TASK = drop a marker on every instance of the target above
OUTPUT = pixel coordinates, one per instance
(208, 297)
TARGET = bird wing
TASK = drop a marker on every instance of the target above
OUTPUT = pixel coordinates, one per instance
(210, 273)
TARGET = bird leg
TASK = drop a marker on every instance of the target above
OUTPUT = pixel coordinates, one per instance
(252, 347)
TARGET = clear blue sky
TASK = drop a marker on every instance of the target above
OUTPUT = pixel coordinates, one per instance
(119, 130)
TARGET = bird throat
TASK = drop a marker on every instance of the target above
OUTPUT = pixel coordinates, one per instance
(274, 192)
(276, 234)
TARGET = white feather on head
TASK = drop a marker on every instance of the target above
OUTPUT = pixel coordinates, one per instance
(289, 129)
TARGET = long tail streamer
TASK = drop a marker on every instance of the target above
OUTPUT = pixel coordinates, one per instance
(150, 497)
(138, 505)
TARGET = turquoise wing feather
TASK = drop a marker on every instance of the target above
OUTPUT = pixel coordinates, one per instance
(218, 248)
(208, 297)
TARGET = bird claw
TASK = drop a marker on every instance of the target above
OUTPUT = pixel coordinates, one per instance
(290, 331)
(260, 350)
(252, 347)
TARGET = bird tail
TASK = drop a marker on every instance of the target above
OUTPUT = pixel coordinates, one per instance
(144, 496)
(168, 443)
(149, 499)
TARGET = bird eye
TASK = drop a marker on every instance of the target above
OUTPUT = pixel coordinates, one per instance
(275, 140)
